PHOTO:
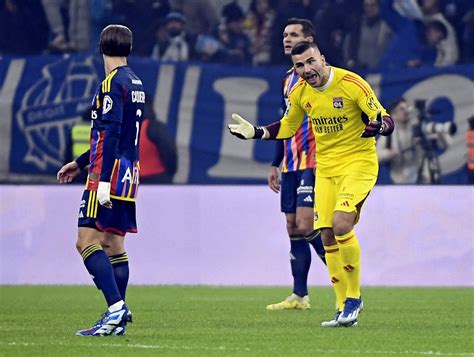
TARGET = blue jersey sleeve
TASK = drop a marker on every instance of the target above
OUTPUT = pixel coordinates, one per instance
(112, 114)
(113, 102)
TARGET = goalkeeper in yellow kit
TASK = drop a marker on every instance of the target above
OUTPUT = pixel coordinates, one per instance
(346, 116)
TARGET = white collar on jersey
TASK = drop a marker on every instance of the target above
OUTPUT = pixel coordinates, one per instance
(328, 83)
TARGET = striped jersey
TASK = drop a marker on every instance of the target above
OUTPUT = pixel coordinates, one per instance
(117, 113)
(299, 150)
(338, 113)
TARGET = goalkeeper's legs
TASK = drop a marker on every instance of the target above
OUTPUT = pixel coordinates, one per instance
(343, 228)
(343, 224)
(336, 274)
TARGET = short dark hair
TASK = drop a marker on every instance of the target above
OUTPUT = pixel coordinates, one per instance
(116, 41)
(302, 46)
(308, 28)
(396, 103)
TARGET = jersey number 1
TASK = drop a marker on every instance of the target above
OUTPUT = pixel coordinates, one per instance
(137, 125)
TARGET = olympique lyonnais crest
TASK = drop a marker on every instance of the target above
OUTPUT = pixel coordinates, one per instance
(337, 103)
(52, 105)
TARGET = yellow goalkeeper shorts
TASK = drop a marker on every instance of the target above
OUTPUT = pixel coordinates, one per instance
(346, 193)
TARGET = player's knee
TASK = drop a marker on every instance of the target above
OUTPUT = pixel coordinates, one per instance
(112, 244)
(343, 223)
(83, 241)
(291, 229)
(305, 225)
(327, 236)
(291, 226)
(78, 246)
(341, 228)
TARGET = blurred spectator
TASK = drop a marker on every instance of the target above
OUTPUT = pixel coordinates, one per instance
(365, 46)
(172, 43)
(229, 44)
(158, 154)
(77, 37)
(201, 15)
(468, 38)
(432, 49)
(334, 28)
(405, 44)
(235, 43)
(23, 27)
(454, 11)
(286, 9)
(399, 150)
(258, 24)
(143, 17)
(102, 14)
(448, 50)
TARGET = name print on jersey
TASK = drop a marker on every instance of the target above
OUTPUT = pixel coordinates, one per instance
(138, 96)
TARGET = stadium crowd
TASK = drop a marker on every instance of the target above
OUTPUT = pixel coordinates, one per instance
(354, 34)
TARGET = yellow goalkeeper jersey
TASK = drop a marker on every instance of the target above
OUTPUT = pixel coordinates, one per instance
(339, 112)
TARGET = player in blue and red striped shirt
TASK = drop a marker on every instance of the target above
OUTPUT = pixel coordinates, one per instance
(296, 156)
(107, 210)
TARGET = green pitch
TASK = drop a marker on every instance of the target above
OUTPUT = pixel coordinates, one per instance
(208, 321)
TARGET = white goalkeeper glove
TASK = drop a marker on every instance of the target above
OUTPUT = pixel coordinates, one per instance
(103, 194)
(244, 130)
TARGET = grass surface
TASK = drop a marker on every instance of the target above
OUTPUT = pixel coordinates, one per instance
(207, 321)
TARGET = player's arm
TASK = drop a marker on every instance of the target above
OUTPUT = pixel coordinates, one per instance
(282, 129)
(279, 154)
(379, 121)
(83, 160)
(112, 113)
(69, 171)
(273, 177)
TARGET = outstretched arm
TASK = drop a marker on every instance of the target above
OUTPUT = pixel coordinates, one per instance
(282, 129)
(68, 172)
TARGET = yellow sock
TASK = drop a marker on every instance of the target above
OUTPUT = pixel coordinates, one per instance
(350, 256)
(336, 274)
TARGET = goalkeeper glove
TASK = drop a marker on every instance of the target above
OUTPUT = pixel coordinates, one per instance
(244, 130)
(373, 128)
(103, 194)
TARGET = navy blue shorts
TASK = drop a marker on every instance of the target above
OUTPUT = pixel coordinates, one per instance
(297, 190)
(120, 219)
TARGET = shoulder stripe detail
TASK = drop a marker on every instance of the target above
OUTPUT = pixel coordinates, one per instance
(361, 82)
(357, 79)
(358, 85)
(106, 83)
(297, 85)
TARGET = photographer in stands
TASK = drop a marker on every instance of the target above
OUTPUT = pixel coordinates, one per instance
(412, 150)
(399, 149)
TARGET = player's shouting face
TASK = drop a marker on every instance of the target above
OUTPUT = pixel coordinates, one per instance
(311, 66)
(292, 35)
